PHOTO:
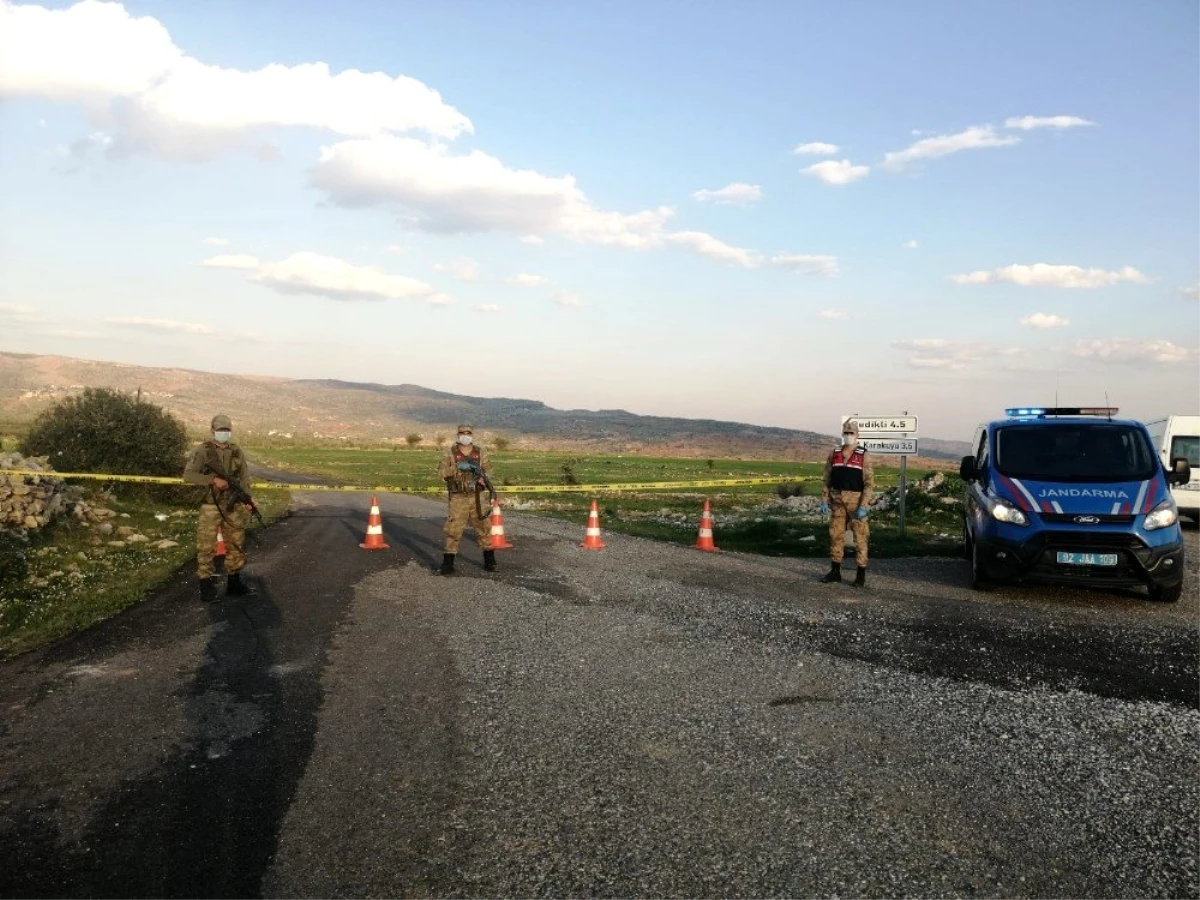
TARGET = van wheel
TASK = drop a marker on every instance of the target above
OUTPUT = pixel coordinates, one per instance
(979, 581)
(1160, 594)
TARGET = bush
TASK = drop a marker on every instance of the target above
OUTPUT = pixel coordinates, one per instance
(13, 563)
(104, 430)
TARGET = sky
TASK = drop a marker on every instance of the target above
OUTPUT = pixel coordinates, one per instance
(766, 211)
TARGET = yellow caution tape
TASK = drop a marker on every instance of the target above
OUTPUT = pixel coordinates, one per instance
(386, 489)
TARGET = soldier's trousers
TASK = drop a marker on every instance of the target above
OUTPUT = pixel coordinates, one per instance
(841, 507)
(233, 530)
(463, 513)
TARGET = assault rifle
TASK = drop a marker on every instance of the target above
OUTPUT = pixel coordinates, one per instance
(477, 470)
(238, 494)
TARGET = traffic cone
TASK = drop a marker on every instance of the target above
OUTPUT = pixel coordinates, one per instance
(220, 543)
(374, 539)
(498, 541)
(704, 541)
(591, 538)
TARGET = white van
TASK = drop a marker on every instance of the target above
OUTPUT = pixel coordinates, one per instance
(1175, 437)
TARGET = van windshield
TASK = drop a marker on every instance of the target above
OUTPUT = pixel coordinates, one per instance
(1074, 452)
(1188, 447)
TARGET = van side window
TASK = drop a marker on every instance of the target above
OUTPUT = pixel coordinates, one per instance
(981, 452)
(1187, 447)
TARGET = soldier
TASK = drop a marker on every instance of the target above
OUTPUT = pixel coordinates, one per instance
(213, 465)
(847, 485)
(464, 486)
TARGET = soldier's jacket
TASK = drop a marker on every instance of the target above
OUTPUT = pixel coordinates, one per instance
(462, 482)
(210, 459)
(849, 472)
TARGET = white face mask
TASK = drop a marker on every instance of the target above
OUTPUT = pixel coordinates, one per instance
(847, 440)
(222, 437)
(465, 440)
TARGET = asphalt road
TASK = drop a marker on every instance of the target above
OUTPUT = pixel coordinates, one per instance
(645, 720)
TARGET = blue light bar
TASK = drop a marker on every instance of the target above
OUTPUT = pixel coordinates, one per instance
(1025, 411)
(1022, 411)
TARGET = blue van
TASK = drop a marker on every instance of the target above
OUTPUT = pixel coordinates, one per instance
(1072, 496)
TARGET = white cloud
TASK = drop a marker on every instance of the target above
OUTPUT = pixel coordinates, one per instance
(570, 301)
(160, 325)
(395, 249)
(714, 248)
(472, 192)
(832, 314)
(460, 269)
(134, 81)
(524, 280)
(911, 245)
(216, 242)
(938, 353)
(489, 308)
(737, 193)
(232, 261)
(840, 172)
(816, 148)
(973, 138)
(1056, 276)
(1192, 292)
(1027, 123)
(1045, 320)
(808, 263)
(17, 311)
(531, 239)
(1131, 351)
(336, 279)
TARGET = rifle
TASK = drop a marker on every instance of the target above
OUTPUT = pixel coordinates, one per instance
(237, 494)
(467, 466)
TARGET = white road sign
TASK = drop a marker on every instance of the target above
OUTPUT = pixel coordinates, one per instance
(891, 446)
(876, 425)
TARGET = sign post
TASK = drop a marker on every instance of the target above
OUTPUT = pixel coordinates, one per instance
(889, 436)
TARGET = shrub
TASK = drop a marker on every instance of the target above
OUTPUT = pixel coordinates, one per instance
(104, 430)
(412, 439)
(501, 443)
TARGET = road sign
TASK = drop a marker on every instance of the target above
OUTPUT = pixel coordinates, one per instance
(883, 425)
(897, 446)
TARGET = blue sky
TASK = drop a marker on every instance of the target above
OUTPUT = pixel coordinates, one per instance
(770, 212)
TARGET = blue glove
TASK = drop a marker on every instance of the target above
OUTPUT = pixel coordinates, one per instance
(466, 466)
(823, 509)
(861, 512)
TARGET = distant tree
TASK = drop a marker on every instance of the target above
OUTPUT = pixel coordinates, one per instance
(439, 440)
(412, 439)
(502, 443)
(103, 430)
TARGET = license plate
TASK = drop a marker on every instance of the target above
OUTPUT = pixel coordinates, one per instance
(1087, 559)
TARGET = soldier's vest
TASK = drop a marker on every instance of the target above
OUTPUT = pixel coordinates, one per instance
(464, 482)
(846, 473)
(214, 466)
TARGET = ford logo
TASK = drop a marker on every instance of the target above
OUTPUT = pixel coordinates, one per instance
(1088, 520)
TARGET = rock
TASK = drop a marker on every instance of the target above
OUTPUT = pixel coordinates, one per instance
(165, 545)
(105, 528)
(30, 522)
(137, 539)
(116, 544)
(125, 531)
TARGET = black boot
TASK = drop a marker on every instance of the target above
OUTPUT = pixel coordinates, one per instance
(235, 587)
(833, 575)
(860, 576)
(489, 560)
(208, 590)
(447, 564)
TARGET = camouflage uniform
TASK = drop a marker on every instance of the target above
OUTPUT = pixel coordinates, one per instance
(847, 484)
(464, 489)
(210, 460)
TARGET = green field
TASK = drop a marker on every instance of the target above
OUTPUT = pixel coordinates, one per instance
(747, 518)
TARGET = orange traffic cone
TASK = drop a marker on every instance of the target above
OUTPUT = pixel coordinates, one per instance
(704, 541)
(498, 540)
(374, 539)
(220, 543)
(591, 538)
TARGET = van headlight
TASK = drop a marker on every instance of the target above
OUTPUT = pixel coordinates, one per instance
(1003, 511)
(1161, 516)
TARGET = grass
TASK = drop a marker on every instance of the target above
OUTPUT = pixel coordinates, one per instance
(747, 518)
(75, 579)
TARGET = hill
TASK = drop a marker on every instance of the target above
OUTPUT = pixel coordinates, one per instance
(267, 408)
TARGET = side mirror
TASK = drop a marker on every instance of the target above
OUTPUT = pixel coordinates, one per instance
(1180, 471)
(967, 470)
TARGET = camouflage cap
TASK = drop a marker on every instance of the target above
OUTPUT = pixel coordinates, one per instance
(220, 422)
(466, 429)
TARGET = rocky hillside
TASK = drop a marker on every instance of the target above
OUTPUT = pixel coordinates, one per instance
(269, 408)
